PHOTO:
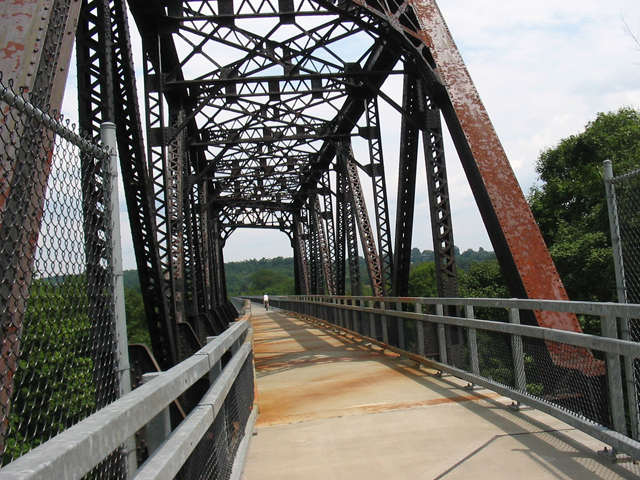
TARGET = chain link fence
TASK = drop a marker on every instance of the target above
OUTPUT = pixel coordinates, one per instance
(625, 194)
(623, 200)
(59, 361)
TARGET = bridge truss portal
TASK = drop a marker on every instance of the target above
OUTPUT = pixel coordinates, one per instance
(267, 114)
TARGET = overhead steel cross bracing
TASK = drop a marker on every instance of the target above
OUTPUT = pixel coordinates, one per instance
(265, 111)
(250, 108)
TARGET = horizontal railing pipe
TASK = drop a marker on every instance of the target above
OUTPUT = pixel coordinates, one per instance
(166, 462)
(77, 450)
(568, 350)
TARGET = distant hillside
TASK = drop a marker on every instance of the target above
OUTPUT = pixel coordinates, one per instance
(131, 280)
(240, 274)
(276, 274)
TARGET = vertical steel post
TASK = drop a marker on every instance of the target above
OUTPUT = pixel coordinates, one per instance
(473, 342)
(614, 377)
(615, 231)
(159, 427)
(518, 353)
(385, 333)
(400, 322)
(442, 336)
(372, 322)
(108, 138)
(621, 287)
(420, 328)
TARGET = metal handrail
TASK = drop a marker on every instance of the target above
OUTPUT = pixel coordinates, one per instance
(74, 452)
(335, 309)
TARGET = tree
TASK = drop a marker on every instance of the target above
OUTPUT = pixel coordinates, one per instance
(54, 383)
(570, 205)
(422, 281)
(485, 280)
(137, 328)
(273, 283)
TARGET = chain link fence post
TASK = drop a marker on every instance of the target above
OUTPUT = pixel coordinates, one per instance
(629, 208)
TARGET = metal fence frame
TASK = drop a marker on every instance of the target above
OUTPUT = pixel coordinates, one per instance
(42, 157)
(349, 314)
(73, 453)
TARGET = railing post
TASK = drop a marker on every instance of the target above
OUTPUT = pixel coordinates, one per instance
(618, 265)
(372, 321)
(354, 316)
(517, 353)
(159, 427)
(614, 377)
(400, 320)
(385, 332)
(473, 342)
(109, 140)
(442, 337)
(420, 329)
(216, 369)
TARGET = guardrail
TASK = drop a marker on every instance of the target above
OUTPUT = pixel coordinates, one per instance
(573, 376)
(210, 443)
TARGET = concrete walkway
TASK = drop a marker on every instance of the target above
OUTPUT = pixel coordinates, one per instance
(332, 408)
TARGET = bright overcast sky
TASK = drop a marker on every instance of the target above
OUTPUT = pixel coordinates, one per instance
(543, 69)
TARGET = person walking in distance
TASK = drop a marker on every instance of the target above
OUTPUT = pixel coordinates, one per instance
(265, 301)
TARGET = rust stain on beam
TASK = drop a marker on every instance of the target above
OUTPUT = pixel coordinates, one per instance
(530, 254)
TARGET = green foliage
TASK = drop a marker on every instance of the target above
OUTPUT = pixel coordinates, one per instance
(570, 206)
(422, 281)
(131, 280)
(273, 283)
(54, 386)
(469, 257)
(463, 260)
(583, 257)
(137, 328)
(494, 352)
(239, 274)
(485, 280)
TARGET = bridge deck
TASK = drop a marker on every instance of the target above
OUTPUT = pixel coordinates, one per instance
(332, 408)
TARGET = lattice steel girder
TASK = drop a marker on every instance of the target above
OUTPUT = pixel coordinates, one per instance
(323, 248)
(376, 170)
(439, 205)
(106, 72)
(515, 236)
(300, 254)
(366, 232)
(97, 91)
(340, 236)
(407, 170)
(327, 216)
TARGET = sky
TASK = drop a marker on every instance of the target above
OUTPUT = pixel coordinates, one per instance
(543, 70)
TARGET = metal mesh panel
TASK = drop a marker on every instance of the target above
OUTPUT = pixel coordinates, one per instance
(59, 354)
(495, 357)
(627, 210)
(575, 381)
(431, 347)
(627, 191)
(213, 457)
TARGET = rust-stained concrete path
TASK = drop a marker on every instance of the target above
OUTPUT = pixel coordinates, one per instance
(332, 408)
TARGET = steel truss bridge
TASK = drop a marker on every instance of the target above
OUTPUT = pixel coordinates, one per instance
(261, 114)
